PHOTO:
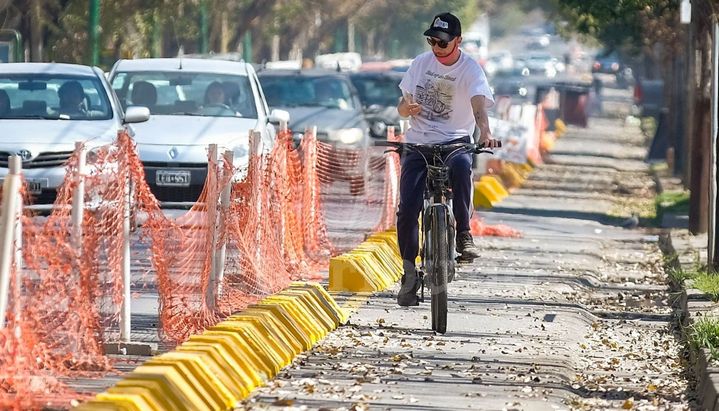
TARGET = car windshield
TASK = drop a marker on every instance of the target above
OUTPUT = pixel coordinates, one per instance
(187, 94)
(293, 91)
(380, 90)
(53, 97)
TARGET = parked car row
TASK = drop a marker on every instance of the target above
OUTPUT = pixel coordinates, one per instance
(174, 108)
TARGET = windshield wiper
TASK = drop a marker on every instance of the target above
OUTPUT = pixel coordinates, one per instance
(34, 117)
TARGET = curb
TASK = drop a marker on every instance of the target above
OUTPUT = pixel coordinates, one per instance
(693, 304)
(223, 365)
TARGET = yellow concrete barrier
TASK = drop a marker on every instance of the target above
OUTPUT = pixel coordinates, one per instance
(331, 305)
(496, 185)
(348, 273)
(267, 317)
(172, 385)
(292, 324)
(272, 358)
(193, 370)
(223, 365)
(301, 315)
(250, 364)
(318, 313)
(484, 195)
(149, 390)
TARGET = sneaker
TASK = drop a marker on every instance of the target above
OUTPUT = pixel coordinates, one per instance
(465, 245)
(407, 295)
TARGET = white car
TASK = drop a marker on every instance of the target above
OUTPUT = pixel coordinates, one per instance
(194, 102)
(45, 108)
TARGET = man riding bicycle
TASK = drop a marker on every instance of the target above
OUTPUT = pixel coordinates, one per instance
(445, 94)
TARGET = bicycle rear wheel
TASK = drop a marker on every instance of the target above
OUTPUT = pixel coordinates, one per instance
(440, 262)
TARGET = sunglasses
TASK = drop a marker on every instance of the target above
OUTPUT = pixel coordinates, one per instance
(439, 43)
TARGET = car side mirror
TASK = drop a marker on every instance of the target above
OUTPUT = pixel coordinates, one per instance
(278, 116)
(136, 114)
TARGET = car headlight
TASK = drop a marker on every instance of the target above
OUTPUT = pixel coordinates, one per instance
(379, 128)
(346, 135)
(240, 151)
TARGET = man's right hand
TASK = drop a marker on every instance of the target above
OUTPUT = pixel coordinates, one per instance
(407, 107)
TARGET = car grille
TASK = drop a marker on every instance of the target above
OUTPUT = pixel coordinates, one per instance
(176, 194)
(43, 160)
(47, 196)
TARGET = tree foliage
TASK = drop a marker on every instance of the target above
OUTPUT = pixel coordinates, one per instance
(141, 28)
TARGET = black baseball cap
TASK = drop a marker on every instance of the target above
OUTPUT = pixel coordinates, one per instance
(444, 26)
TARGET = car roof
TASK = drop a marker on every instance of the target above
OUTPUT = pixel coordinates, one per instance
(180, 64)
(304, 73)
(47, 68)
(378, 74)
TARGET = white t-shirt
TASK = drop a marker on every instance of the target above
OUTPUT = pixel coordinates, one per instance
(444, 93)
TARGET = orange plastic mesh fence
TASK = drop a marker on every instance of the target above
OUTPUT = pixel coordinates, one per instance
(479, 228)
(289, 210)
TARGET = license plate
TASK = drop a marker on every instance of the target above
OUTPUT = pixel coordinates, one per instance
(172, 178)
(35, 186)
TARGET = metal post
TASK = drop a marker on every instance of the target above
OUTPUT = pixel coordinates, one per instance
(11, 190)
(211, 207)
(247, 47)
(712, 246)
(78, 198)
(126, 309)
(225, 198)
(94, 31)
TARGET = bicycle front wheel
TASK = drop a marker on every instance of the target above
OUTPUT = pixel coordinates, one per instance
(440, 262)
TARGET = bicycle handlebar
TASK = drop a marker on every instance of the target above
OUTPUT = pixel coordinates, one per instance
(469, 147)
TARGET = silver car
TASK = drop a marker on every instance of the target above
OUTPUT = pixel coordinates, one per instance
(194, 103)
(45, 108)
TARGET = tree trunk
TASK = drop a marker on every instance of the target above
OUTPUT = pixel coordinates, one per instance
(699, 184)
(37, 26)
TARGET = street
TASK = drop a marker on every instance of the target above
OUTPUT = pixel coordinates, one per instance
(576, 314)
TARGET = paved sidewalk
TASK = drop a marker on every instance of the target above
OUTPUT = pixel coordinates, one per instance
(574, 315)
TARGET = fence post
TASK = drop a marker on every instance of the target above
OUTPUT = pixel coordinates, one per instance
(78, 198)
(225, 199)
(126, 310)
(11, 190)
(18, 258)
(213, 172)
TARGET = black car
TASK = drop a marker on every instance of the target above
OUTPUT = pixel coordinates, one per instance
(609, 62)
(514, 83)
(325, 99)
(379, 92)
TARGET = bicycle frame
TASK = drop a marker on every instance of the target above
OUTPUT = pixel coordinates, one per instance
(438, 199)
(438, 247)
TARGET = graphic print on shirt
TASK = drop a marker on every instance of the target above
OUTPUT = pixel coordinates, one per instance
(435, 96)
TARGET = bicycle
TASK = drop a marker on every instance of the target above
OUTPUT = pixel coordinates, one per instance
(437, 254)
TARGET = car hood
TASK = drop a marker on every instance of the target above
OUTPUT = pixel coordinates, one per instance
(55, 135)
(325, 118)
(388, 114)
(185, 138)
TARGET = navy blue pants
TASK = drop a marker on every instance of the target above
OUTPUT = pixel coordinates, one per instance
(411, 189)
